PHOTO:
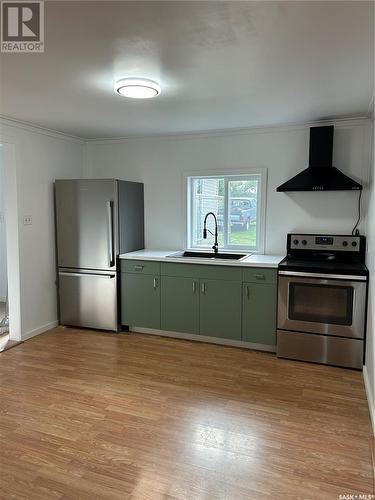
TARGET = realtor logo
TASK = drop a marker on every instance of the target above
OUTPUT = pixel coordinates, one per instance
(22, 26)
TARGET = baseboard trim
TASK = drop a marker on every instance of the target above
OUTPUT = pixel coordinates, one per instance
(370, 399)
(372, 448)
(202, 338)
(38, 331)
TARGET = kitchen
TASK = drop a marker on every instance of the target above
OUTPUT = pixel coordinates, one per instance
(165, 163)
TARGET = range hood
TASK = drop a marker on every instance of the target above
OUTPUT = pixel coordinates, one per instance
(320, 174)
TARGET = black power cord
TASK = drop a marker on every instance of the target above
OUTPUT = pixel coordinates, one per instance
(355, 231)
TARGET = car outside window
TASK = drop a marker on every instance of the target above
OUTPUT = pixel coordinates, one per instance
(238, 203)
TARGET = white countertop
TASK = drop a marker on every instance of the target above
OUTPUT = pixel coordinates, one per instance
(165, 256)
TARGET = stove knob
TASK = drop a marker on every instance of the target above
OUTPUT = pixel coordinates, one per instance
(304, 242)
(295, 242)
(354, 243)
(344, 243)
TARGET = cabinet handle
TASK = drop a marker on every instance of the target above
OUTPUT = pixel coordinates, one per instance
(138, 268)
(203, 288)
(260, 277)
(155, 283)
(194, 287)
(247, 291)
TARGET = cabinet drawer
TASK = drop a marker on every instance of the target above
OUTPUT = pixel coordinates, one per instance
(140, 266)
(260, 275)
(201, 271)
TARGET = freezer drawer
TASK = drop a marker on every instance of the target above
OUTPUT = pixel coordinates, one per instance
(88, 299)
(323, 349)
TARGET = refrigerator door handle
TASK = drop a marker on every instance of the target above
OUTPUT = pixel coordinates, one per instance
(83, 275)
(111, 262)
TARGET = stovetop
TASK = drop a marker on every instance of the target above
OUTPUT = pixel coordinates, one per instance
(328, 254)
(321, 266)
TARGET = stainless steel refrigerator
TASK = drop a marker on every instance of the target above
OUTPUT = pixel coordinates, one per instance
(96, 220)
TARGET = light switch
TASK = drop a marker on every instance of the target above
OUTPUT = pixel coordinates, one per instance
(27, 220)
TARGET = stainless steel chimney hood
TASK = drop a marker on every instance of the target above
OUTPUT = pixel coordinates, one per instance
(320, 174)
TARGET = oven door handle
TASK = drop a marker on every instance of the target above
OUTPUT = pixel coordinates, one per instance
(347, 277)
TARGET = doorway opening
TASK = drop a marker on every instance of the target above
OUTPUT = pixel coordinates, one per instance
(10, 311)
(4, 310)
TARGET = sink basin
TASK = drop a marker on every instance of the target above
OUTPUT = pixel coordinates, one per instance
(209, 255)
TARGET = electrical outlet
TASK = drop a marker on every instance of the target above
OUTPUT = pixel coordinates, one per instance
(27, 220)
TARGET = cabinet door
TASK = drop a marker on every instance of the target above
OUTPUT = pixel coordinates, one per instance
(220, 309)
(180, 304)
(140, 300)
(259, 313)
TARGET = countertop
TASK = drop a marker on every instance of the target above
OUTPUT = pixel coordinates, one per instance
(254, 260)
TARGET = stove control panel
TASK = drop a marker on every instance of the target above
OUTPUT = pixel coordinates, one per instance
(323, 242)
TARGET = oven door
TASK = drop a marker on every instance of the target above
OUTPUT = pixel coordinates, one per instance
(322, 304)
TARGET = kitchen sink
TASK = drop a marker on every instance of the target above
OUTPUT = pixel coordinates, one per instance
(209, 255)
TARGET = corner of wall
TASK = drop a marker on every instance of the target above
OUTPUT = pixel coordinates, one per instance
(87, 160)
(369, 368)
(370, 399)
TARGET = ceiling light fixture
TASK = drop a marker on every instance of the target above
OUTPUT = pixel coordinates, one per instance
(137, 88)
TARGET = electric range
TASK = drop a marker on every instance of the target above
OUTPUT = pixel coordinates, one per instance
(322, 295)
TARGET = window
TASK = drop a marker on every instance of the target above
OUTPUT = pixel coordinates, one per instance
(238, 203)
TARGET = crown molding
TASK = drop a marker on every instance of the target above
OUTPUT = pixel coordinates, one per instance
(37, 129)
(287, 127)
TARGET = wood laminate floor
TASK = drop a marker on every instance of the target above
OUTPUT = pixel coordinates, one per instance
(87, 415)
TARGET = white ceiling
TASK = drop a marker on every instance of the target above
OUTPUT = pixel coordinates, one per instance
(221, 65)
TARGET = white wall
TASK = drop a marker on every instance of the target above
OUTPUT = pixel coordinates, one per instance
(3, 257)
(41, 156)
(161, 162)
(369, 370)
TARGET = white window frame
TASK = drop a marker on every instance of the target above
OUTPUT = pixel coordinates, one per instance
(229, 175)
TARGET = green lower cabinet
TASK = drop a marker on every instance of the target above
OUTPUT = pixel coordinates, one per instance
(259, 313)
(220, 309)
(224, 302)
(140, 300)
(180, 304)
